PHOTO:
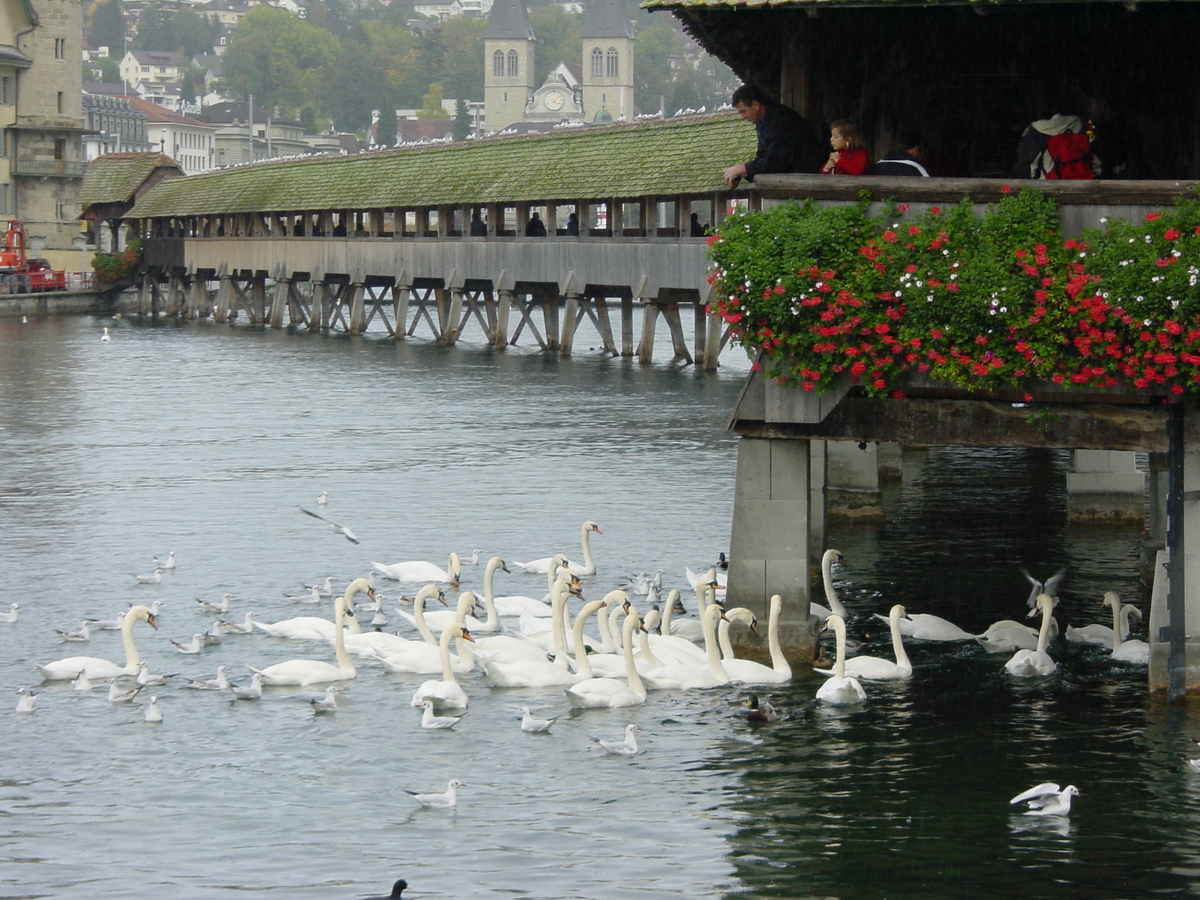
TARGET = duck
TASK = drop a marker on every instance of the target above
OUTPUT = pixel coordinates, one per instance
(610, 693)
(419, 571)
(103, 669)
(760, 710)
(532, 724)
(307, 672)
(745, 671)
(841, 689)
(587, 567)
(446, 800)
(434, 722)
(447, 693)
(1046, 799)
(828, 558)
(874, 668)
(1131, 651)
(1036, 662)
(627, 746)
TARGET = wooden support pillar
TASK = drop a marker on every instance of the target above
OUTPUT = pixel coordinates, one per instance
(670, 314)
(616, 217)
(197, 298)
(627, 326)
(279, 300)
(604, 324)
(503, 311)
(358, 313)
(453, 322)
(401, 293)
(258, 300)
(223, 299)
(714, 326)
(317, 310)
(570, 321)
(550, 318)
(650, 313)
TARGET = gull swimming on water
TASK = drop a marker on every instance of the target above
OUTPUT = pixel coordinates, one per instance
(118, 695)
(107, 624)
(168, 563)
(12, 615)
(447, 800)
(337, 529)
(1046, 799)
(155, 577)
(220, 683)
(222, 607)
(193, 647)
(145, 679)
(626, 747)
(323, 498)
(153, 711)
(430, 719)
(328, 703)
(251, 691)
(83, 634)
(534, 725)
(26, 701)
(82, 683)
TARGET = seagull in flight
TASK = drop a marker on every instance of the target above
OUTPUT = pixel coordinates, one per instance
(1049, 586)
(339, 529)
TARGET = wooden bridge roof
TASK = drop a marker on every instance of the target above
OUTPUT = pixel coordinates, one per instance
(116, 177)
(678, 156)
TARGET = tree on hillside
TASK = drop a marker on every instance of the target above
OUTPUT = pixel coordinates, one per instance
(431, 104)
(278, 58)
(462, 64)
(462, 120)
(110, 69)
(652, 74)
(106, 26)
(193, 33)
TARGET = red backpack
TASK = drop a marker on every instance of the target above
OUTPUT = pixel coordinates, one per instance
(1072, 155)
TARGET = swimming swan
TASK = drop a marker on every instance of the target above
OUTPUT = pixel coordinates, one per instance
(94, 667)
(419, 571)
(1136, 652)
(542, 566)
(689, 675)
(1033, 663)
(835, 605)
(841, 689)
(307, 672)
(381, 643)
(543, 672)
(517, 604)
(447, 693)
(610, 693)
(926, 627)
(421, 658)
(1102, 635)
(747, 671)
(875, 667)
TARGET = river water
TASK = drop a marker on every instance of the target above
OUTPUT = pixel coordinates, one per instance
(203, 440)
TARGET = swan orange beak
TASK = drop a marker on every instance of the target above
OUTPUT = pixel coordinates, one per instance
(152, 620)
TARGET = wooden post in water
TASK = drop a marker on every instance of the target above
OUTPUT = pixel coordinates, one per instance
(358, 314)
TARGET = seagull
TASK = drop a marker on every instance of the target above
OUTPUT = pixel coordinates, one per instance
(760, 710)
(339, 529)
(472, 560)
(215, 631)
(12, 614)
(430, 719)
(222, 607)
(168, 563)
(397, 889)
(325, 590)
(246, 627)
(1047, 800)
(220, 683)
(153, 711)
(155, 607)
(83, 634)
(116, 695)
(328, 703)
(448, 800)
(107, 624)
(193, 647)
(627, 747)
(1049, 586)
(145, 679)
(532, 724)
(251, 691)
(26, 701)
(82, 683)
(154, 578)
(313, 596)
(323, 498)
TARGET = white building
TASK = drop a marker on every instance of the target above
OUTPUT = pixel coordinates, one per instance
(190, 142)
(139, 66)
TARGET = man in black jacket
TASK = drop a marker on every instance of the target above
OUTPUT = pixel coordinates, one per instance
(786, 143)
(905, 159)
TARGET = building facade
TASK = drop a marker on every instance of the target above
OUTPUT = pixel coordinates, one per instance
(112, 126)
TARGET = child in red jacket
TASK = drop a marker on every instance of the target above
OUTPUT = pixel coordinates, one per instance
(849, 157)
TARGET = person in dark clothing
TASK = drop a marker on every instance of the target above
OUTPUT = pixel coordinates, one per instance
(536, 227)
(478, 226)
(697, 228)
(906, 159)
(573, 225)
(786, 142)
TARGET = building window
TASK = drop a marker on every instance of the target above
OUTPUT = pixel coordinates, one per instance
(513, 67)
(597, 63)
(60, 48)
(60, 102)
(8, 90)
(4, 198)
(60, 148)
(612, 70)
(498, 64)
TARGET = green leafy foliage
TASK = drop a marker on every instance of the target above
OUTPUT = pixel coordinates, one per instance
(117, 269)
(995, 301)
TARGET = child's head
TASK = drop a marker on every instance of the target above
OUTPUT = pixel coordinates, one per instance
(843, 135)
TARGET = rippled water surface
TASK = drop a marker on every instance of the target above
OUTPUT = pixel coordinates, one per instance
(204, 440)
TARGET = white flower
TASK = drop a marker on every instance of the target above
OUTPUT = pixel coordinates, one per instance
(1004, 309)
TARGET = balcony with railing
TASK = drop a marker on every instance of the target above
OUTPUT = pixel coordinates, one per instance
(48, 168)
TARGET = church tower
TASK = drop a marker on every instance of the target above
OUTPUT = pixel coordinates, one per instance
(607, 60)
(508, 64)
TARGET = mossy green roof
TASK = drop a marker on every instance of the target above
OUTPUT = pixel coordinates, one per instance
(796, 4)
(116, 177)
(679, 156)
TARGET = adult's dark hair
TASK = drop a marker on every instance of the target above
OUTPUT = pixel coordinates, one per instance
(750, 93)
(910, 138)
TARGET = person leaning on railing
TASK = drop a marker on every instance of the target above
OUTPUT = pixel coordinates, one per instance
(786, 142)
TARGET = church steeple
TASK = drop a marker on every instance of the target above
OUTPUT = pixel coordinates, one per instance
(608, 59)
(508, 43)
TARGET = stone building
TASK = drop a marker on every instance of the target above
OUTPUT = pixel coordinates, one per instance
(41, 111)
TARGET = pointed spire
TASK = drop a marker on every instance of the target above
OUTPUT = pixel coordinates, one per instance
(509, 20)
(605, 19)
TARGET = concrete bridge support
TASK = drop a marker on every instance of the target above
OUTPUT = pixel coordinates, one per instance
(852, 481)
(1104, 487)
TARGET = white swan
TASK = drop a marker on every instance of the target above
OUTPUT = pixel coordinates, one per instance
(1134, 651)
(447, 693)
(96, 668)
(517, 604)
(610, 693)
(926, 627)
(543, 673)
(875, 667)
(381, 643)
(106, 337)
(828, 558)
(746, 671)
(506, 648)
(419, 571)
(1007, 636)
(1033, 663)
(307, 672)
(440, 618)
(306, 628)
(841, 689)
(588, 567)
(1102, 635)
(420, 658)
(687, 676)
(671, 648)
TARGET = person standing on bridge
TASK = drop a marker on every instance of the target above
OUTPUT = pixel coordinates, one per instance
(535, 227)
(786, 142)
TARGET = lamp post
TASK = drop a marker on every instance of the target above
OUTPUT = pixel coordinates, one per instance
(162, 141)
